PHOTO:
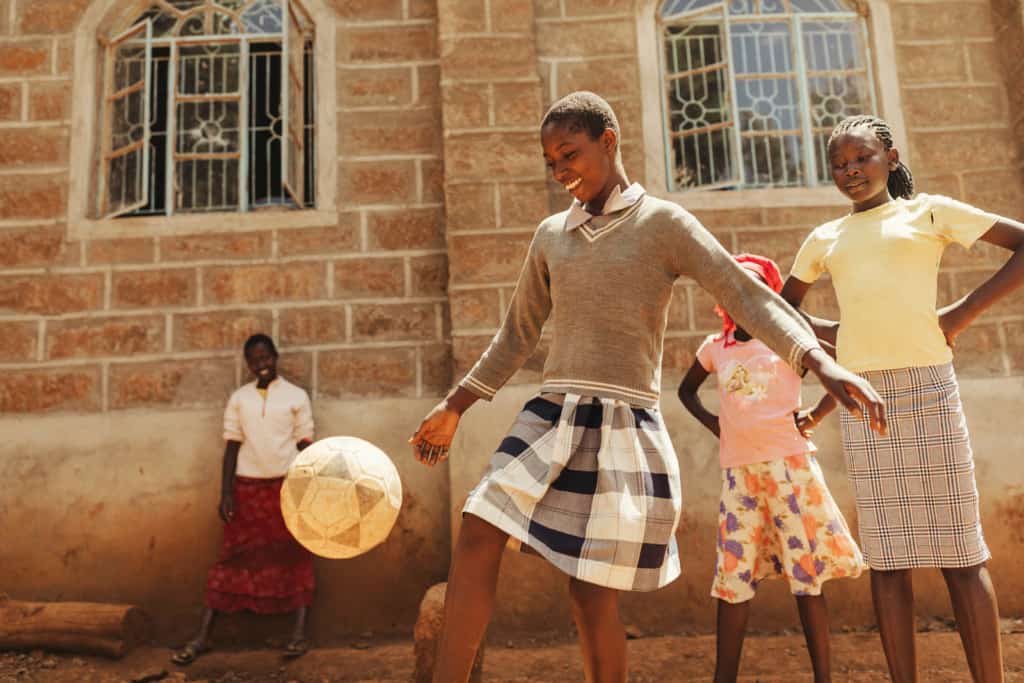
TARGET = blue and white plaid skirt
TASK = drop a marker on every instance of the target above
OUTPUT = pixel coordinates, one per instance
(590, 484)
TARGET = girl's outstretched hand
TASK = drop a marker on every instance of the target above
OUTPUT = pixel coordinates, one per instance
(432, 440)
(851, 391)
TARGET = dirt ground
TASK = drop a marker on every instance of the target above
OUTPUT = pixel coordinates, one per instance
(857, 657)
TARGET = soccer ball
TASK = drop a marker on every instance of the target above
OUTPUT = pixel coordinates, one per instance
(341, 497)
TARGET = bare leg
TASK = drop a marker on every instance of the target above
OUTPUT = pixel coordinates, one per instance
(730, 632)
(977, 618)
(298, 645)
(814, 618)
(469, 598)
(200, 643)
(602, 638)
(892, 593)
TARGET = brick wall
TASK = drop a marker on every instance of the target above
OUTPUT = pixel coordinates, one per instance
(438, 163)
(359, 309)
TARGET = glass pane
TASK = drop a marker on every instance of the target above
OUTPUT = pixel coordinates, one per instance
(164, 21)
(129, 66)
(309, 128)
(224, 25)
(699, 120)
(264, 16)
(209, 69)
(673, 7)
(206, 185)
(207, 127)
(124, 181)
(837, 83)
(741, 6)
(830, 6)
(195, 25)
(185, 5)
(295, 170)
(773, 6)
(127, 120)
(767, 104)
(233, 5)
(265, 133)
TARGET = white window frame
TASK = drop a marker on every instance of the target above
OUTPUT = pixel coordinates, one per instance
(102, 20)
(656, 158)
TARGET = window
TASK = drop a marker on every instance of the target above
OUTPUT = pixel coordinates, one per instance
(752, 89)
(209, 107)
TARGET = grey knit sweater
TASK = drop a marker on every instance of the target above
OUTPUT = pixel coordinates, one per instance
(604, 288)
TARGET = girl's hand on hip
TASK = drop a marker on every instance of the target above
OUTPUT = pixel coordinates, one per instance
(805, 422)
(851, 391)
(433, 439)
(952, 322)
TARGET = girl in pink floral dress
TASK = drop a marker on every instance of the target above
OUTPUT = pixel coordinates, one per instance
(776, 516)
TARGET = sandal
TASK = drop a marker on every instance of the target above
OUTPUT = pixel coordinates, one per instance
(296, 648)
(189, 653)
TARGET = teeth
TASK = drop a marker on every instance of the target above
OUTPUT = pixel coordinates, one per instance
(574, 184)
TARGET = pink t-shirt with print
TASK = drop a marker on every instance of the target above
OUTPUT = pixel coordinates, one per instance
(758, 395)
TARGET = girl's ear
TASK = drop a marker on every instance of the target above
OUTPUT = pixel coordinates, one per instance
(609, 140)
(893, 156)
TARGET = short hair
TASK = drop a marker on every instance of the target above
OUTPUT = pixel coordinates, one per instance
(256, 340)
(583, 111)
(901, 180)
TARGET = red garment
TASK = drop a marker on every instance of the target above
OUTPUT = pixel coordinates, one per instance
(262, 568)
(765, 269)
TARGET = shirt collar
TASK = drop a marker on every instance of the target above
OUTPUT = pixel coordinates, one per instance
(617, 201)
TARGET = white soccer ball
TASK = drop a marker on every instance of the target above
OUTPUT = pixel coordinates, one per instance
(341, 497)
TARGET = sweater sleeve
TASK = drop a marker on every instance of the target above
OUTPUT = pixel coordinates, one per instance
(517, 338)
(754, 307)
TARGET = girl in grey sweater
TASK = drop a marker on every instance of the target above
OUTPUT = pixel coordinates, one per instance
(587, 477)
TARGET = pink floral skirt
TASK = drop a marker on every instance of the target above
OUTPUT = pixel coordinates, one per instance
(777, 519)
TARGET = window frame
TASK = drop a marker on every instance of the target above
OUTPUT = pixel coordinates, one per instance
(882, 56)
(103, 21)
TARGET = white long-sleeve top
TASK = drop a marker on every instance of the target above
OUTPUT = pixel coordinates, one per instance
(268, 427)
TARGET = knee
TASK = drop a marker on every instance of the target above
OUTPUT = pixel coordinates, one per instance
(592, 600)
(963, 576)
(479, 537)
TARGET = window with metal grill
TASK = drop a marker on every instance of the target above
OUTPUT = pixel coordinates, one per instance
(754, 87)
(209, 107)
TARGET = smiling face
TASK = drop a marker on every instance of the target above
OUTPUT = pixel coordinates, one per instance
(262, 363)
(584, 166)
(860, 166)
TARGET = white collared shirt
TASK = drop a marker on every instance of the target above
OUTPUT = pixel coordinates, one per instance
(617, 201)
(268, 427)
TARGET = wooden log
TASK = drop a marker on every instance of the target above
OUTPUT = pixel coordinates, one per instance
(82, 627)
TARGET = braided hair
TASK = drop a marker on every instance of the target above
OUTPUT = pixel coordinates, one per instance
(901, 181)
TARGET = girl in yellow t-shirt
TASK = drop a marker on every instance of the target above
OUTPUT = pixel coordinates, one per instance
(917, 501)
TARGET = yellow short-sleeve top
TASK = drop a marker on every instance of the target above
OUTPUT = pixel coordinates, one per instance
(884, 264)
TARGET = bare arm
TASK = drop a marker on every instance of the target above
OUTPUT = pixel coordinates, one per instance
(227, 480)
(695, 376)
(794, 292)
(807, 420)
(956, 317)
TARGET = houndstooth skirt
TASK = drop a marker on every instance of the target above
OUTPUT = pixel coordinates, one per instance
(591, 485)
(917, 501)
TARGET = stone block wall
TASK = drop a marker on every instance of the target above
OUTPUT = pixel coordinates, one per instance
(359, 309)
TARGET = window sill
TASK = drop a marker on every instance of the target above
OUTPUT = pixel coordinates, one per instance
(742, 199)
(205, 223)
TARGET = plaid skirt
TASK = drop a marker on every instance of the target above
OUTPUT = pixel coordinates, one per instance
(591, 485)
(261, 568)
(917, 501)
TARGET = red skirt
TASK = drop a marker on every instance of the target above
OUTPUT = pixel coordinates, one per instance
(262, 567)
